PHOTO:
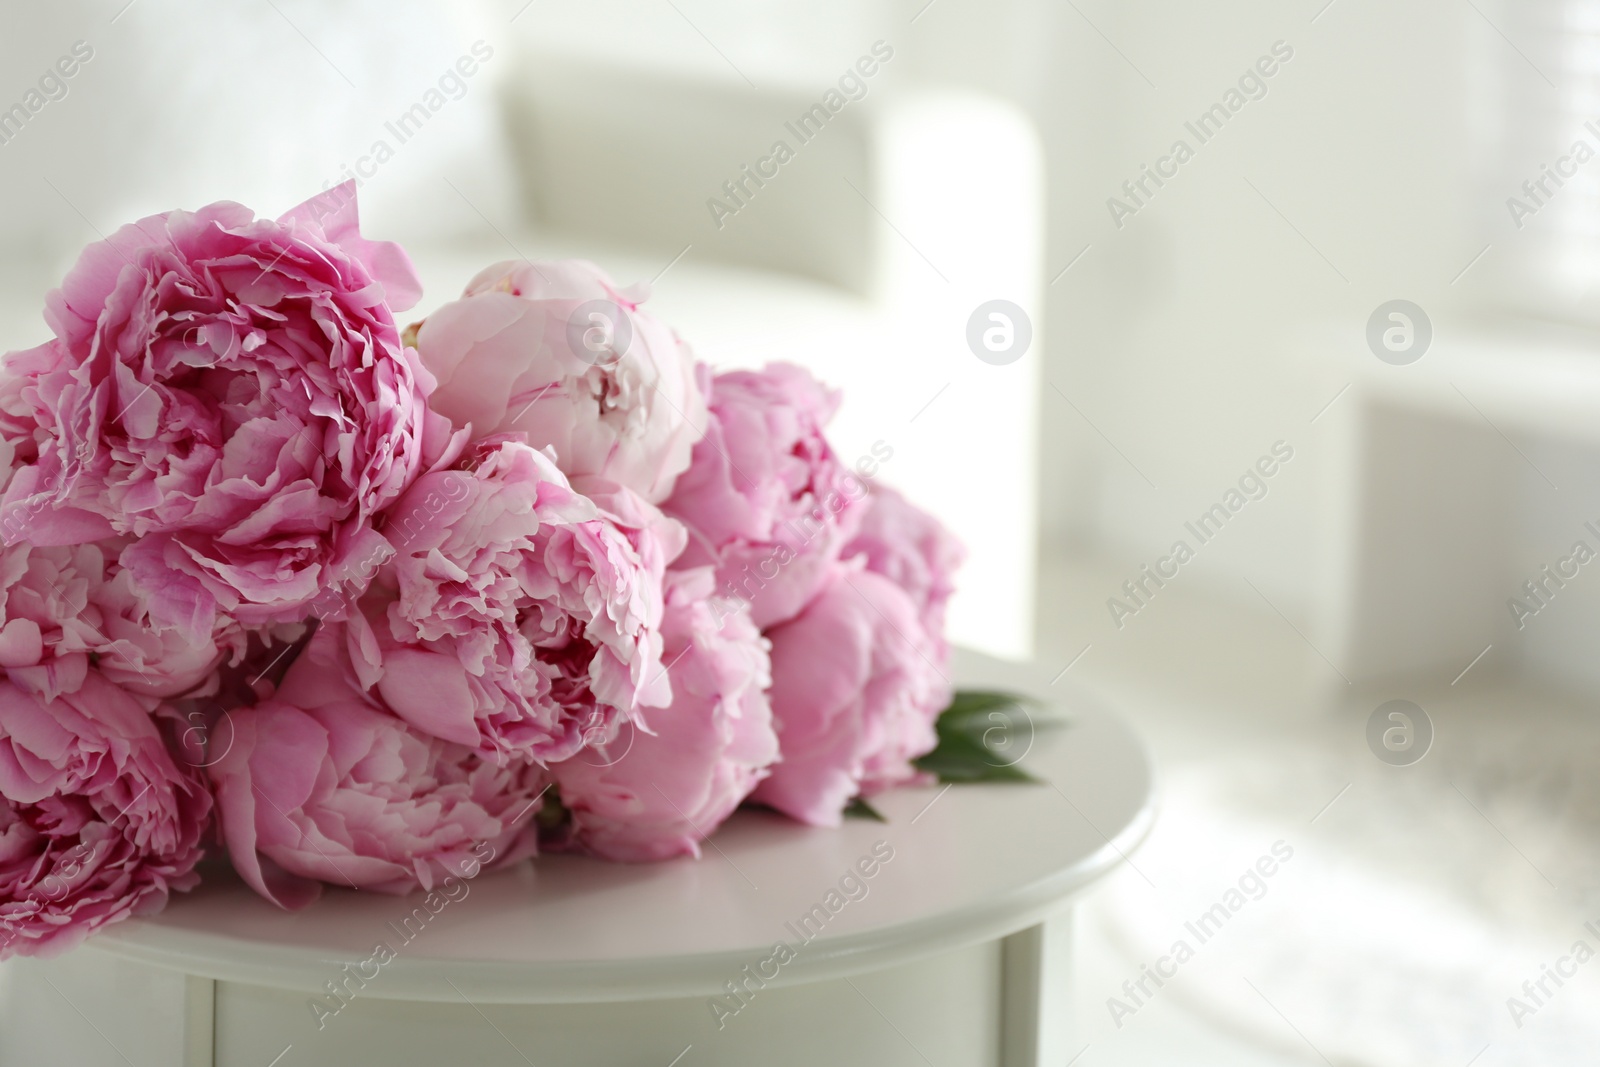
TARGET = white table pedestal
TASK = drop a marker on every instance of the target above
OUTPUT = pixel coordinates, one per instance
(778, 947)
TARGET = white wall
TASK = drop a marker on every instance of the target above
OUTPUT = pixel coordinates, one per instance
(1378, 149)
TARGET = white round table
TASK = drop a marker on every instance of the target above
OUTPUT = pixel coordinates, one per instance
(938, 937)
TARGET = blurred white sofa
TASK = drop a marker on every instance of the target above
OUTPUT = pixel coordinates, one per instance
(862, 257)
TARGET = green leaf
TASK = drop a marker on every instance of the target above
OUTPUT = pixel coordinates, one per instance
(969, 702)
(983, 734)
(860, 809)
(966, 768)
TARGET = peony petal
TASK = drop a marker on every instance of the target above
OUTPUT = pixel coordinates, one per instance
(334, 212)
(431, 692)
(21, 643)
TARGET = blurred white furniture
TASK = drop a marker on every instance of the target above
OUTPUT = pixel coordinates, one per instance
(953, 952)
(1450, 494)
(862, 258)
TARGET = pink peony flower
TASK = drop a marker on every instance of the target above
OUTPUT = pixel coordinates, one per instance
(657, 539)
(766, 500)
(651, 796)
(517, 617)
(855, 693)
(233, 392)
(554, 350)
(97, 822)
(321, 784)
(62, 608)
(17, 445)
(913, 550)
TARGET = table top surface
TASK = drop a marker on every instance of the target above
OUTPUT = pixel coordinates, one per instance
(967, 863)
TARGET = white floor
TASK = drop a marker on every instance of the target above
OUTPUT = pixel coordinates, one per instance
(1417, 899)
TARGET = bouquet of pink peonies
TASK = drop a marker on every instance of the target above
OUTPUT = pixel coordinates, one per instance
(362, 605)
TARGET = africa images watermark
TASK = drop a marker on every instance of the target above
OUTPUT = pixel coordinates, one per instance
(1251, 885)
(353, 978)
(1536, 191)
(78, 860)
(1537, 992)
(1399, 732)
(851, 886)
(52, 86)
(1540, 590)
(851, 86)
(450, 86)
(1141, 589)
(1252, 85)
